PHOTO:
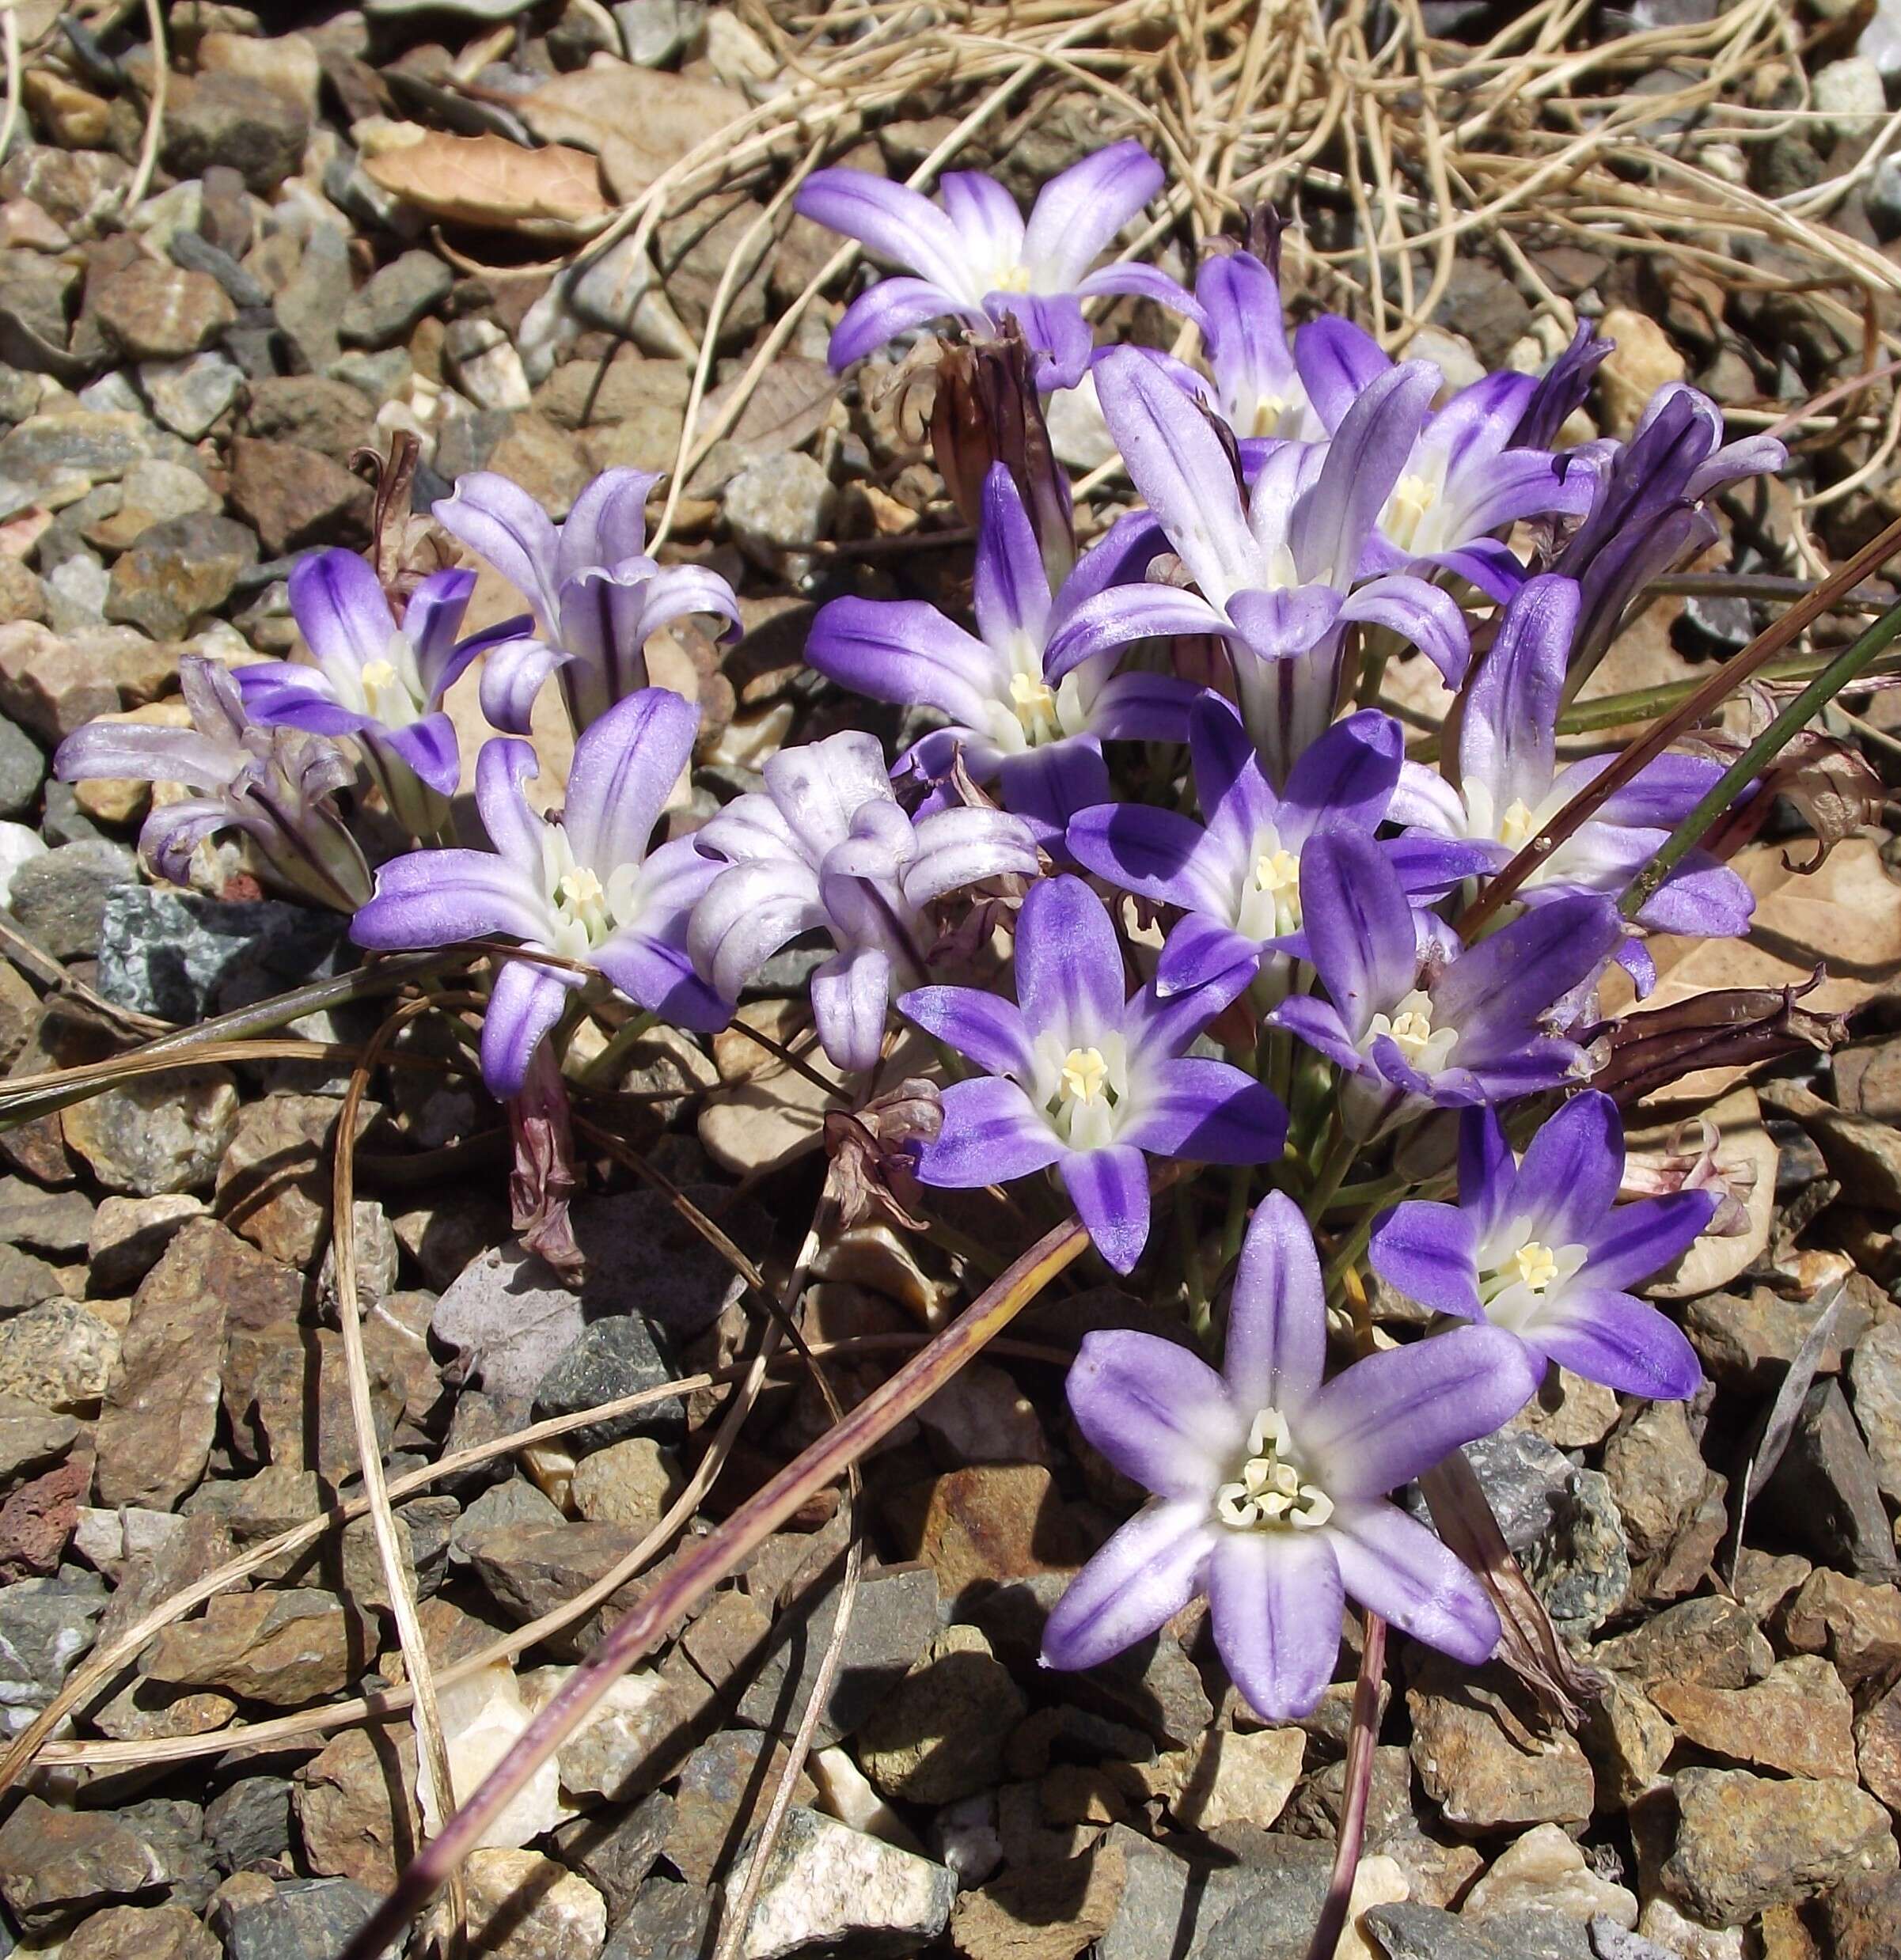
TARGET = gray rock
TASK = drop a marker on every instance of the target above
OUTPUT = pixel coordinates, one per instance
(779, 504)
(1825, 1493)
(302, 1918)
(647, 1257)
(1874, 1381)
(178, 572)
(62, 821)
(653, 31)
(56, 1866)
(310, 307)
(1264, 1906)
(56, 1222)
(221, 117)
(183, 957)
(174, 1831)
(385, 309)
(939, 1734)
(189, 395)
(25, 1281)
(248, 1825)
(150, 311)
(22, 770)
(666, 1919)
(31, 1438)
(66, 455)
(611, 1359)
(515, 1502)
(197, 253)
(830, 1890)
(129, 1236)
(60, 898)
(1413, 1931)
(614, 1850)
(46, 1624)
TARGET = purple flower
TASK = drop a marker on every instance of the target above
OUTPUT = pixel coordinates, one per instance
(1646, 514)
(1510, 786)
(277, 785)
(825, 848)
(583, 888)
(1484, 1026)
(977, 261)
(382, 683)
(1270, 1485)
(1562, 388)
(1044, 742)
(1237, 879)
(1540, 1248)
(597, 598)
(1086, 1077)
(1277, 574)
(1258, 387)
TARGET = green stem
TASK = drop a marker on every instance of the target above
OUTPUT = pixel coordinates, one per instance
(1332, 1174)
(619, 1046)
(1852, 661)
(1240, 1188)
(1196, 1278)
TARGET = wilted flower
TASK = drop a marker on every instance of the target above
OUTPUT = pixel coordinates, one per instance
(1270, 1485)
(1044, 741)
(1510, 785)
(825, 847)
(1237, 879)
(597, 598)
(583, 888)
(1087, 1077)
(1539, 1246)
(977, 261)
(372, 680)
(1277, 574)
(1482, 1027)
(277, 785)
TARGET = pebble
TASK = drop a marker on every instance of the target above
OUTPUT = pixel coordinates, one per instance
(19, 847)
(60, 898)
(1714, 1642)
(523, 1906)
(283, 1649)
(231, 119)
(1544, 1872)
(31, 1438)
(614, 1850)
(153, 312)
(1857, 1626)
(486, 366)
(1049, 1910)
(1642, 361)
(1264, 1905)
(1798, 1719)
(612, 1358)
(989, 1524)
(274, 1176)
(778, 505)
(665, 1920)
(939, 1734)
(294, 497)
(178, 572)
(1824, 1493)
(353, 1803)
(1743, 1842)
(723, 1789)
(249, 1823)
(141, 1932)
(58, 1356)
(1850, 96)
(22, 595)
(189, 395)
(159, 1133)
(46, 1625)
(58, 1866)
(1239, 1778)
(828, 1888)
(629, 1483)
(309, 411)
(1485, 1757)
(259, 1918)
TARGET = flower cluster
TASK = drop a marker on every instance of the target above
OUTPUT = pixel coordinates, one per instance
(1163, 790)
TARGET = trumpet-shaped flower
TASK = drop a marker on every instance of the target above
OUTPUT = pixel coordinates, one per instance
(825, 847)
(372, 680)
(1539, 1246)
(1042, 742)
(1087, 1077)
(1510, 785)
(976, 259)
(597, 598)
(1237, 876)
(277, 785)
(583, 888)
(1258, 387)
(1271, 1484)
(1278, 574)
(1483, 1027)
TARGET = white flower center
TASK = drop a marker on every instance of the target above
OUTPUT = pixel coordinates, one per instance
(1425, 1047)
(1082, 1087)
(1010, 278)
(1516, 1282)
(388, 690)
(1268, 907)
(1085, 1076)
(1034, 701)
(1270, 1492)
(1268, 409)
(1413, 497)
(1517, 823)
(583, 909)
(1537, 1265)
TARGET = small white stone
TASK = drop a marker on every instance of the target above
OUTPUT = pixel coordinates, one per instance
(1450, 353)
(1850, 93)
(486, 366)
(18, 846)
(1544, 1872)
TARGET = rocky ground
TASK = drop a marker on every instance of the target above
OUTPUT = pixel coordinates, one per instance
(182, 394)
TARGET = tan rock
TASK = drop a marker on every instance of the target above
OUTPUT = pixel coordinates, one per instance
(355, 1805)
(523, 1906)
(1544, 1872)
(1486, 1757)
(994, 1522)
(1047, 1910)
(1799, 1720)
(282, 1648)
(141, 1932)
(1642, 361)
(1240, 1778)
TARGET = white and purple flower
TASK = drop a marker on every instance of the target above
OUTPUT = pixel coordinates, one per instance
(1409, 1029)
(583, 887)
(597, 597)
(1539, 1247)
(825, 847)
(1087, 1077)
(277, 785)
(1041, 742)
(975, 260)
(1271, 1484)
(373, 680)
(1279, 574)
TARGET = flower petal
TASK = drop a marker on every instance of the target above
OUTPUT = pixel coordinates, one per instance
(1393, 1566)
(1507, 742)
(1156, 1410)
(1276, 1600)
(1495, 992)
(512, 676)
(890, 308)
(516, 832)
(1125, 613)
(983, 1026)
(1568, 1177)
(902, 650)
(1277, 1315)
(964, 846)
(850, 998)
(1331, 523)
(1427, 617)
(1138, 1581)
(436, 898)
(1617, 1339)
(339, 608)
(1047, 786)
(1010, 589)
(624, 769)
(1633, 1242)
(1110, 1190)
(1382, 1421)
(1210, 1112)
(1202, 952)
(1345, 780)
(985, 216)
(500, 521)
(525, 1002)
(426, 747)
(1337, 361)
(1430, 1252)
(746, 915)
(607, 524)
(992, 1133)
(1077, 213)
(1359, 925)
(1069, 977)
(891, 219)
(660, 978)
(1159, 854)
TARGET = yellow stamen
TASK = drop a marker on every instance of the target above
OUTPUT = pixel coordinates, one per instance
(1517, 824)
(1537, 1265)
(579, 888)
(1085, 1076)
(378, 674)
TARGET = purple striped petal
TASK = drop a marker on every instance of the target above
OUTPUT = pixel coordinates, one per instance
(820, 786)
(890, 308)
(1569, 1177)
(1284, 625)
(1430, 1252)
(1201, 951)
(1359, 925)
(1707, 901)
(1611, 1338)
(1159, 854)
(1010, 589)
(992, 1133)
(624, 769)
(1395, 1568)
(427, 748)
(280, 694)
(500, 521)
(1478, 422)
(1121, 556)
(660, 979)
(850, 998)
(602, 624)
(1156, 1410)
(1047, 786)
(1077, 213)
(438, 898)
(1236, 800)
(1069, 978)
(1276, 1600)
(1208, 1112)
(1316, 1023)
(1124, 614)
(1495, 992)
(1338, 360)
(1507, 742)
(1343, 781)
(511, 677)
(1331, 523)
(1633, 1242)
(1110, 1190)
(1384, 1420)
(1141, 706)
(988, 221)
(686, 592)
(902, 650)
(607, 525)
(1423, 615)
(1488, 1171)
(1276, 1317)
(891, 219)
(1138, 1581)
(432, 619)
(503, 765)
(746, 915)
(338, 605)
(960, 847)
(1139, 282)
(526, 1002)
(1054, 327)
(987, 1028)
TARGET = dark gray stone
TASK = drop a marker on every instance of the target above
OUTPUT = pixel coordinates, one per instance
(390, 303)
(1264, 1906)
(183, 957)
(175, 1831)
(1825, 1493)
(666, 1920)
(178, 572)
(614, 1849)
(611, 1359)
(303, 1918)
(57, 1223)
(1414, 1931)
(60, 898)
(62, 820)
(643, 1255)
(22, 769)
(196, 253)
(248, 1825)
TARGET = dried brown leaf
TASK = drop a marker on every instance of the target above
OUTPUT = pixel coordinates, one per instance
(552, 193)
